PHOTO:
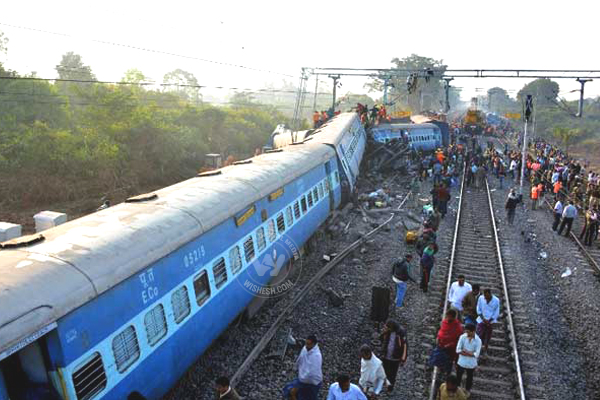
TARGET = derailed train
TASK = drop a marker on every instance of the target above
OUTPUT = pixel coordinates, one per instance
(125, 299)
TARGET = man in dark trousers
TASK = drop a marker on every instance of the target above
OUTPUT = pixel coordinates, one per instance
(569, 214)
(394, 350)
(511, 205)
(224, 390)
(427, 261)
(401, 276)
(558, 209)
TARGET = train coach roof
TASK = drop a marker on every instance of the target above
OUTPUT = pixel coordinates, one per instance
(85, 257)
(330, 132)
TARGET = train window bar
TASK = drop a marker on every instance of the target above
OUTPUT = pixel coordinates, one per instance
(126, 348)
(297, 210)
(156, 324)
(249, 249)
(280, 223)
(235, 260)
(303, 204)
(180, 302)
(271, 231)
(260, 239)
(89, 378)
(310, 199)
(289, 218)
(219, 272)
(316, 194)
(201, 288)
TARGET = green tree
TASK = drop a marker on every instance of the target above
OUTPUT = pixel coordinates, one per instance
(500, 102)
(544, 90)
(566, 135)
(71, 67)
(184, 84)
(427, 93)
(134, 75)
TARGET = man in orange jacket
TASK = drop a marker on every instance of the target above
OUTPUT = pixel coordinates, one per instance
(534, 196)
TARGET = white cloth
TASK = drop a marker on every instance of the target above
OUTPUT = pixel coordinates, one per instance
(309, 365)
(353, 393)
(489, 311)
(471, 345)
(372, 375)
(457, 293)
(558, 207)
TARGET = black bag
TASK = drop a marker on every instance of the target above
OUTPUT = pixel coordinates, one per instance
(380, 304)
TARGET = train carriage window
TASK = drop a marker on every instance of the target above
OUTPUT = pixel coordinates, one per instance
(201, 287)
(156, 324)
(280, 223)
(289, 218)
(303, 204)
(310, 200)
(235, 260)
(297, 210)
(126, 348)
(89, 378)
(220, 272)
(249, 249)
(260, 239)
(327, 185)
(271, 231)
(181, 304)
(320, 188)
(337, 177)
(316, 194)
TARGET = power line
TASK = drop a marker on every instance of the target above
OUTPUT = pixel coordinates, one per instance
(128, 46)
(183, 85)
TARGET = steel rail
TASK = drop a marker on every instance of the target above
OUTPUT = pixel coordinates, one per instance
(432, 388)
(513, 336)
(264, 341)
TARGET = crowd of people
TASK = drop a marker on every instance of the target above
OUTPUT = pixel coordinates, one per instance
(575, 187)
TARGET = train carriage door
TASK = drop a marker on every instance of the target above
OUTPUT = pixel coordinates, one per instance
(329, 186)
(26, 373)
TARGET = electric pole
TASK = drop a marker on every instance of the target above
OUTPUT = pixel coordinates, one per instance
(335, 84)
(447, 89)
(528, 111)
(580, 109)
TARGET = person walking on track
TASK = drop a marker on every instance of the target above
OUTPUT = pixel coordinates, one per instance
(468, 349)
(558, 210)
(488, 310)
(469, 304)
(569, 214)
(511, 206)
(310, 373)
(372, 374)
(458, 290)
(394, 350)
(344, 390)
(401, 276)
(427, 262)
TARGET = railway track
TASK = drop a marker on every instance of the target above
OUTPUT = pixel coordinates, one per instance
(509, 370)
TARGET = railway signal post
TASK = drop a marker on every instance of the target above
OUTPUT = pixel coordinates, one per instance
(528, 111)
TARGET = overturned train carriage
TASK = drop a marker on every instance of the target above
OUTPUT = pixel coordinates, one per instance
(127, 298)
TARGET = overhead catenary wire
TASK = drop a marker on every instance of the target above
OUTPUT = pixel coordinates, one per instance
(149, 50)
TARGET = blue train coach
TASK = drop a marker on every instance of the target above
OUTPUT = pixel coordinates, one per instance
(126, 299)
(423, 137)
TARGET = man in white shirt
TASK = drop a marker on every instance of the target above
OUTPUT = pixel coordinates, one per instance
(458, 290)
(310, 373)
(372, 374)
(558, 210)
(344, 390)
(468, 349)
(568, 215)
(488, 310)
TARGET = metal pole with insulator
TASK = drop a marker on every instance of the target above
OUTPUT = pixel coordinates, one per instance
(528, 111)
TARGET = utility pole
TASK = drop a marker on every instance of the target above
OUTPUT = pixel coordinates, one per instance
(386, 83)
(316, 90)
(335, 84)
(580, 109)
(528, 111)
(447, 89)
